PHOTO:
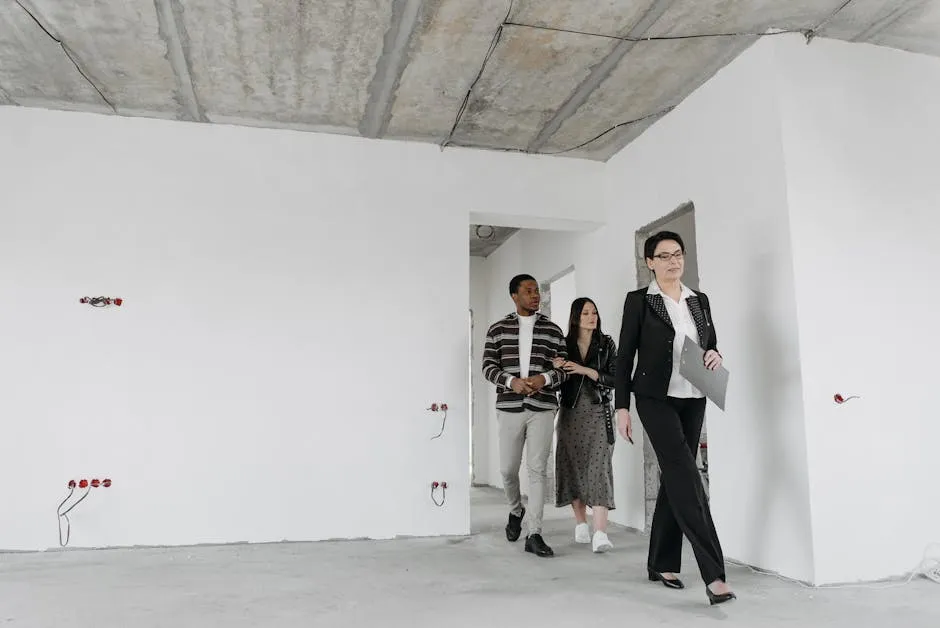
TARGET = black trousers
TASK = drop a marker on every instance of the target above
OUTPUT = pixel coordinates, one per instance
(674, 427)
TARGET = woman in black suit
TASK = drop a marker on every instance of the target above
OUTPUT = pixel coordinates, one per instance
(656, 321)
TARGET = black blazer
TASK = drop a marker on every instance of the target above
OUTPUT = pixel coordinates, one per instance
(602, 357)
(646, 332)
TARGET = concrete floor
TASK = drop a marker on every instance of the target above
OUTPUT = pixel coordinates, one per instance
(475, 581)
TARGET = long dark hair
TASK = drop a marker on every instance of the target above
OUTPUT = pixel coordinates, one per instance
(574, 327)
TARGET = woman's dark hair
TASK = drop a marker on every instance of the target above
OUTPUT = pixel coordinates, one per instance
(649, 247)
(574, 326)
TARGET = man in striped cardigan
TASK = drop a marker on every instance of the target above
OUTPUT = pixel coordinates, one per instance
(517, 358)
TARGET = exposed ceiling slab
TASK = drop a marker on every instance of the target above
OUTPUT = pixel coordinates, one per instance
(707, 17)
(912, 25)
(446, 52)
(537, 67)
(485, 239)
(309, 63)
(589, 16)
(579, 78)
(126, 60)
(35, 69)
(661, 72)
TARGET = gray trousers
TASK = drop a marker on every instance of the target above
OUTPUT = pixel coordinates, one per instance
(532, 430)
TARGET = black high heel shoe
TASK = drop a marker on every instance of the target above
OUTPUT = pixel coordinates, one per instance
(673, 583)
(719, 598)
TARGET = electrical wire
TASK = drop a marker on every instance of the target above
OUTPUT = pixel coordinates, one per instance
(808, 33)
(486, 59)
(658, 114)
(443, 423)
(443, 488)
(811, 33)
(65, 515)
(98, 301)
(558, 29)
(68, 53)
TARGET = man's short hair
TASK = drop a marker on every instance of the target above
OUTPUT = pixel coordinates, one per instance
(516, 281)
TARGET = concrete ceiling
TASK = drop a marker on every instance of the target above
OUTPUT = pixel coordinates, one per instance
(580, 78)
(484, 239)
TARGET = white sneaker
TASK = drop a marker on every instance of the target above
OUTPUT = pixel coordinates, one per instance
(601, 542)
(582, 533)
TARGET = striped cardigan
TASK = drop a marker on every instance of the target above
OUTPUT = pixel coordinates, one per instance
(501, 362)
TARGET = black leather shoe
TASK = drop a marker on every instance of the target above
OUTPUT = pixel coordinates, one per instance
(671, 583)
(514, 527)
(718, 598)
(536, 545)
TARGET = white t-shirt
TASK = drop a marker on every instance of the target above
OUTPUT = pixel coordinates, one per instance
(526, 330)
(684, 326)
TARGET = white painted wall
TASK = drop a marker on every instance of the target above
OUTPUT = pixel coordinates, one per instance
(563, 293)
(268, 375)
(861, 137)
(479, 303)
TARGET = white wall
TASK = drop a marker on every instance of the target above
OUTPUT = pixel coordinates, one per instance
(479, 303)
(562, 292)
(268, 375)
(861, 137)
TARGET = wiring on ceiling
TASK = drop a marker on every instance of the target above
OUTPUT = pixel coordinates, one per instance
(658, 114)
(449, 141)
(558, 29)
(811, 33)
(68, 52)
(486, 59)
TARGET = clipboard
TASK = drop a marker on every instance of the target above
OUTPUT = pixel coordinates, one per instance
(714, 384)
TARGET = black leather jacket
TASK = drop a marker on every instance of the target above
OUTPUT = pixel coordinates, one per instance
(602, 357)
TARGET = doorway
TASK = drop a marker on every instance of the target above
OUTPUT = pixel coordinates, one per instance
(682, 221)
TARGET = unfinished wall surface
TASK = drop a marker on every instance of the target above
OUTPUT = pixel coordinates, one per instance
(860, 136)
(268, 373)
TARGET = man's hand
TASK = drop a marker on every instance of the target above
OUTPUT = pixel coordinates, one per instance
(521, 386)
(536, 383)
(625, 424)
(712, 359)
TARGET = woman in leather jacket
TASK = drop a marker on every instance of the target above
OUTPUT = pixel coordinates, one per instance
(583, 460)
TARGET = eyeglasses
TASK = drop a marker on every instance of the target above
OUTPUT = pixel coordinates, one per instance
(665, 257)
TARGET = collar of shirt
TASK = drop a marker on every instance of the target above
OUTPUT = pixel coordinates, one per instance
(685, 294)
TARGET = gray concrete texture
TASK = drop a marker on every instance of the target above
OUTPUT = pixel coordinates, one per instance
(480, 580)
(561, 75)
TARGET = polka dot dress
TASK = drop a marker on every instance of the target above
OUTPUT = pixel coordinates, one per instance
(583, 459)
